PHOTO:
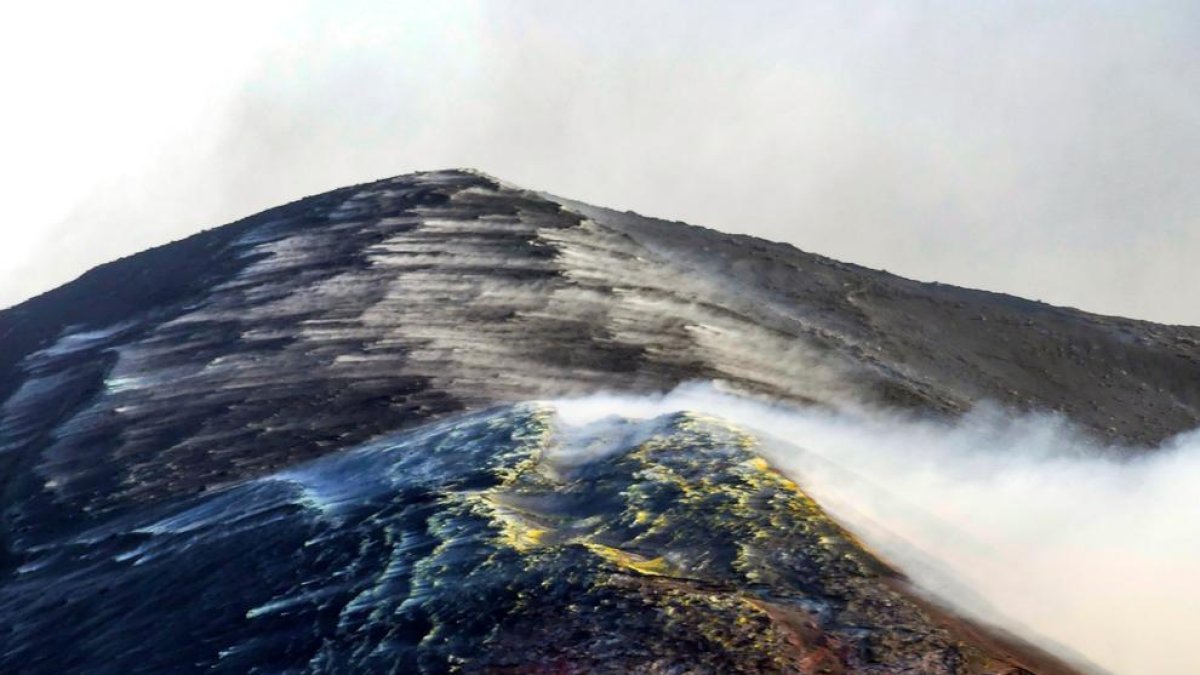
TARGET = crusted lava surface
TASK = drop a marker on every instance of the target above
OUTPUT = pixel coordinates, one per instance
(490, 542)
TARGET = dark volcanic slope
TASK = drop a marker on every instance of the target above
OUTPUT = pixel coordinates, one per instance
(336, 319)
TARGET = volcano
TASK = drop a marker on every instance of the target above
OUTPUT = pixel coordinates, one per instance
(324, 439)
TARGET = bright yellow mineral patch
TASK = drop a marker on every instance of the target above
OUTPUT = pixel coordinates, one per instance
(641, 517)
(517, 530)
(652, 566)
(762, 465)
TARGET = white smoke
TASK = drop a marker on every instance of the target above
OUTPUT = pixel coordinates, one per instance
(1019, 521)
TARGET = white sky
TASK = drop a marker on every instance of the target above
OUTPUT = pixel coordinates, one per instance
(1045, 149)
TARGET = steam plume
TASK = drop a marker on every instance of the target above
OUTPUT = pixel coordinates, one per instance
(1021, 521)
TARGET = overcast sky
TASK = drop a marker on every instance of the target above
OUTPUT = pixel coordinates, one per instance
(1050, 150)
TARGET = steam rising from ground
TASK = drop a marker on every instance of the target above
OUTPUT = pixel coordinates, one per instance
(1023, 522)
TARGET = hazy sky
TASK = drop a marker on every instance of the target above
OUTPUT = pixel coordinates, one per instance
(1045, 149)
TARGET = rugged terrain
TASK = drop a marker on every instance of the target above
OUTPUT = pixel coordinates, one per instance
(219, 453)
(492, 542)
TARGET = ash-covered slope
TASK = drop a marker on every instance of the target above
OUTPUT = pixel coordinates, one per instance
(320, 325)
(943, 347)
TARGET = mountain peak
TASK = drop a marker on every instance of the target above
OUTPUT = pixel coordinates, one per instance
(185, 376)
